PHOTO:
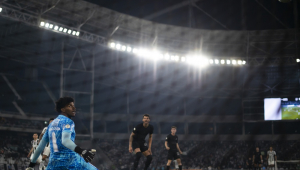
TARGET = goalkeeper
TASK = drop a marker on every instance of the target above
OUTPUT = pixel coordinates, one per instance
(65, 154)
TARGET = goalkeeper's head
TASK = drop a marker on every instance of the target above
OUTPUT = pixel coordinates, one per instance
(65, 106)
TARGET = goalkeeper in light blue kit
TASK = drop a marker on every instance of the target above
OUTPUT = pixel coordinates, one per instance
(65, 154)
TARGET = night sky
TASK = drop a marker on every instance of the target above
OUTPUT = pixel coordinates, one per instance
(229, 13)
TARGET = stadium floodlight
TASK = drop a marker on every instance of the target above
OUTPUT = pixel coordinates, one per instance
(176, 58)
(112, 45)
(216, 61)
(244, 62)
(167, 56)
(298, 60)
(77, 33)
(234, 62)
(183, 59)
(118, 46)
(56, 28)
(228, 61)
(51, 26)
(222, 61)
(65, 30)
(47, 25)
(240, 62)
(42, 23)
(211, 61)
(135, 50)
(123, 48)
(129, 49)
(69, 31)
(0, 9)
(74, 33)
(61, 29)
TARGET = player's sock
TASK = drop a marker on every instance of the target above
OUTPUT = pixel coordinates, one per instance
(168, 167)
(137, 159)
(180, 167)
(148, 162)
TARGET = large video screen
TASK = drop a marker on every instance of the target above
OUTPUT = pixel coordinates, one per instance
(282, 109)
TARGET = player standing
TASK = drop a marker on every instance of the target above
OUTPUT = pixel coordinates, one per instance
(34, 144)
(257, 159)
(65, 154)
(138, 144)
(272, 158)
(172, 146)
(46, 151)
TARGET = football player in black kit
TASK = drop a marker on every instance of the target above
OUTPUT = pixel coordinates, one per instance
(138, 144)
(257, 159)
(172, 146)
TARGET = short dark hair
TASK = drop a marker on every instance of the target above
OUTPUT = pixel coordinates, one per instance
(174, 127)
(51, 119)
(146, 116)
(62, 102)
(36, 134)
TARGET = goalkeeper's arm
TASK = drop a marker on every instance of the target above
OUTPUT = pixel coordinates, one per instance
(87, 155)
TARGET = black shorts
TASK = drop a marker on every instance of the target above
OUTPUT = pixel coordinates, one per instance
(173, 154)
(140, 144)
(257, 162)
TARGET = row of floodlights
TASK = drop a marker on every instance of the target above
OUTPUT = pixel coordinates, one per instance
(59, 28)
(156, 55)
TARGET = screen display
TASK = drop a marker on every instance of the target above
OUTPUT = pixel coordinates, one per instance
(282, 109)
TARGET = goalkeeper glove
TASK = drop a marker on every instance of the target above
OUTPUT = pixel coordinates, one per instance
(87, 155)
(31, 166)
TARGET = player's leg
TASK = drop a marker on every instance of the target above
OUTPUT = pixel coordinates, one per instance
(168, 164)
(179, 163)
(147, 154)
(138, 154)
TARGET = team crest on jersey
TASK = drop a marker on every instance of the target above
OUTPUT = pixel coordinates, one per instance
(67, 126)
(145, 144)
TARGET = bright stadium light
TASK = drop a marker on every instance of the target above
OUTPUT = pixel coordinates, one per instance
(61, 29)
(77, 33)
(69, 31)
(211, 61)
(244, 62)
(234, 62)
(51, 26)
(42, 24)
(183, 59)
(118, 46)
(65, 30)
(216, 61)
(112, 45)
(222, 61)
(47, 25)
(56, 28)
(74, 33)
(167, 56)
(240, 62)
(227, 61)
(298, 60)
(129, 49)
(0, 9)
(123, 48)
(135, 50)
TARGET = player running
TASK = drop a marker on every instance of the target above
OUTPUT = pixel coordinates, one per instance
(46, 151)
(172, 146)
(64, 153)
(272, 158)
(138, 144)
(257, 159)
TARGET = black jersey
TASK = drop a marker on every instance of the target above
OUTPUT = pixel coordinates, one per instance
(141, 132)
(172, 141)
(257, 156)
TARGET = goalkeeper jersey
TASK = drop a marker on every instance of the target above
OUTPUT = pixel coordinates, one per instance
(54, 133)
